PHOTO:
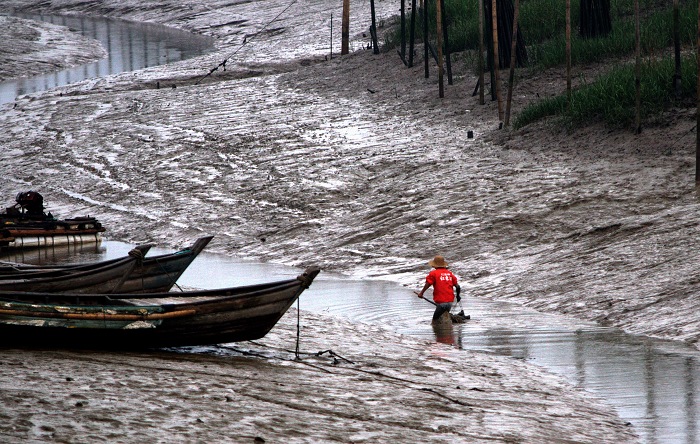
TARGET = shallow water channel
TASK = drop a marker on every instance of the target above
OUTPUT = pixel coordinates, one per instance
(655, 385)
(130, 46)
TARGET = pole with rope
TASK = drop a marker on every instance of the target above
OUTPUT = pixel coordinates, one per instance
(246, 39)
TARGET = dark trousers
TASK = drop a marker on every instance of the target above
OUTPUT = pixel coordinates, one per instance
(440, 309)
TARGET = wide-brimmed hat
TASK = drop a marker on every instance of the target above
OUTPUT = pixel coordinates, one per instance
(438, 262)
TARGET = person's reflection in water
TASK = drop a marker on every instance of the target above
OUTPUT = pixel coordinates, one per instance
(444, 333)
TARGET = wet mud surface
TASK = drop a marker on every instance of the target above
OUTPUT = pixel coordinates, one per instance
(37, 48)
(403, 391)
(356, 165)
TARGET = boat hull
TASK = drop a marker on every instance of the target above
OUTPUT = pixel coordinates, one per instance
(154, 320)
(38, 240)
(26, 225)
(106, 279)
(143, 274)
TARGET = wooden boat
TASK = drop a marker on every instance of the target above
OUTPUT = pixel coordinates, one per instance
(149, 274)
(25, 225)
(106, 278)
(153, 320)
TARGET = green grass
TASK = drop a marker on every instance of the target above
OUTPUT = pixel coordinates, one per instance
(543, 25)
(609, 98)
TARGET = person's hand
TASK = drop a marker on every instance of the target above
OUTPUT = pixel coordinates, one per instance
(419, 294)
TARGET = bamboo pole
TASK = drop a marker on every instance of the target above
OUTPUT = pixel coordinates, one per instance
(637, 72)
(481, 52)
(511, 76)
(345, 34)
(496, 65)
(412, 31)
(438, 14)
(99, 316)
(426, 42)
(697, 108)
(568, 54)
(677, 50)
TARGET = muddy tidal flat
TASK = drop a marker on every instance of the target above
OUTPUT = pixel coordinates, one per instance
(352, 163)
(403, 391)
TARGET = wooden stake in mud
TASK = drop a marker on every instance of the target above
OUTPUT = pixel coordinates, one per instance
(511, 76)
(373, 29)
(448, 61)
(412, 36)
(697, 110)
(677, 50)
(345, 34)
(568, 54)
(496, 64)
(426, 57)
(441, 84)
(403, 30)
(481, 52)
(331, 36)
(637, 72)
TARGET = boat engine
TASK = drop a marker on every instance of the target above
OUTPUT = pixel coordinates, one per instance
(31, 202)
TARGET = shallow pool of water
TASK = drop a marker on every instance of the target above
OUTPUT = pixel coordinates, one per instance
(130, 46)
(653, 384)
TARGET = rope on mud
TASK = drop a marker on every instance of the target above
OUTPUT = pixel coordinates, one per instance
(334, 355)
(442, 395)
(260, 355)
(680, 137)
(395, 379)
(245, 41)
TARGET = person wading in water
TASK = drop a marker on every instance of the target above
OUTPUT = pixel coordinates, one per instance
(442, 280)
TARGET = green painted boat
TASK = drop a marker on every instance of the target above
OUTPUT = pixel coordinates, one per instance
(147, 320)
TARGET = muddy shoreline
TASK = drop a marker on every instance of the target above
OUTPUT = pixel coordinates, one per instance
(356, 165)
(403, 391)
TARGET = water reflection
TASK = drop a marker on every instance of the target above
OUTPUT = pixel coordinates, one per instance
(445, 334)
(652, 384)
(130, 46)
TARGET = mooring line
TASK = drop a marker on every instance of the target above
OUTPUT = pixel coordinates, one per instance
(245, 41)
(402, 381)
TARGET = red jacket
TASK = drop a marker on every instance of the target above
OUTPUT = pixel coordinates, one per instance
(442, 281)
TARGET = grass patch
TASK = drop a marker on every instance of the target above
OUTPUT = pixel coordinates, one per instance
(611, 97)
(543, 25)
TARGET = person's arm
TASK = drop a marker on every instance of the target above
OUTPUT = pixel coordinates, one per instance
(425, 288)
